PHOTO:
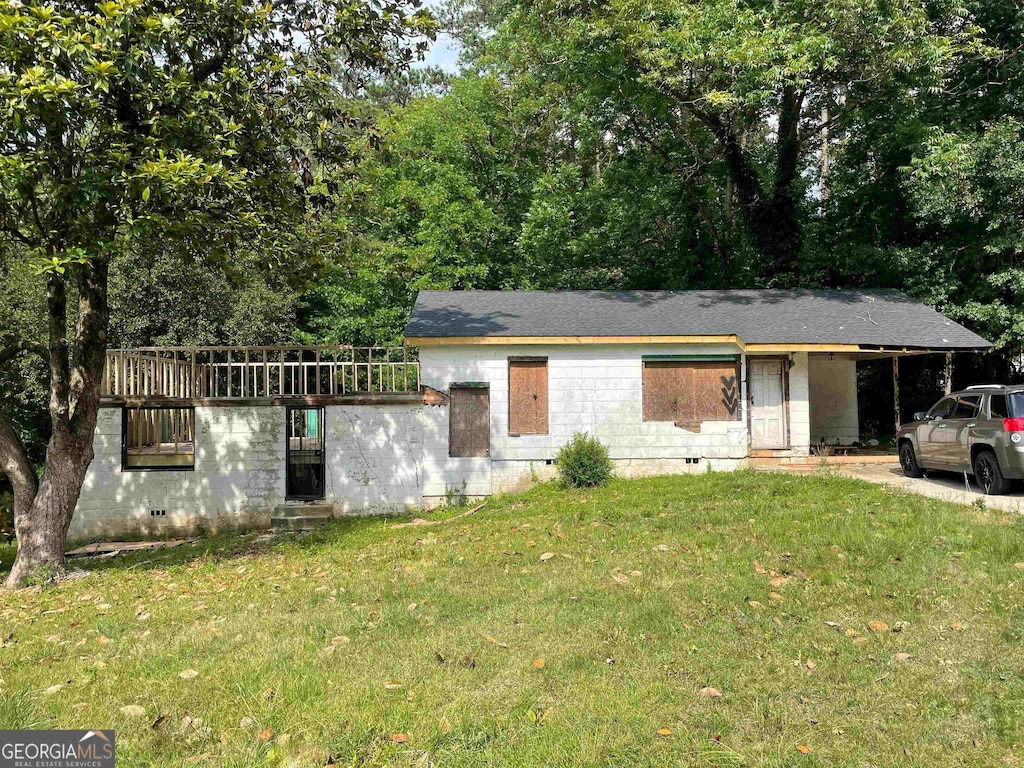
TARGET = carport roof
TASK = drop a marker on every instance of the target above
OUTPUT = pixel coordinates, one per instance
(866, 319)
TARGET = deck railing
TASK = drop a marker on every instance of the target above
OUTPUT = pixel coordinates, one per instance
(256, 372)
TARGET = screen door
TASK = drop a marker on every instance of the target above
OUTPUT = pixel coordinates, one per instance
(305, 453)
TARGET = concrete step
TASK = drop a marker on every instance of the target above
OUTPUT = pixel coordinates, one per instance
(304, 510)
(296, 523)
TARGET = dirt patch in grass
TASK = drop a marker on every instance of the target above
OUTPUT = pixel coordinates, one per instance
(840, 622)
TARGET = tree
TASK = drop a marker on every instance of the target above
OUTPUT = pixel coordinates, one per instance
(129, 122)
(747, 92)
(438, 200)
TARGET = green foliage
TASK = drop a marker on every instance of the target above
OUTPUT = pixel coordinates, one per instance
(583, 462)
(199, 300)
(437, 202)
(43, 576)
(971, 185)
(732, 98)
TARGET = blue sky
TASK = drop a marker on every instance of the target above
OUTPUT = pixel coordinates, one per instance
(444, 52)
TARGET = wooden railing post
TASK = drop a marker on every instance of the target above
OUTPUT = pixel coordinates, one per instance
(178, 373)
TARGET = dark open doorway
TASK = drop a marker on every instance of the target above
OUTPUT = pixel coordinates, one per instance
(305, 454)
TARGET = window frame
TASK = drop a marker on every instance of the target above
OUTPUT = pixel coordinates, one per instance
(157, 467)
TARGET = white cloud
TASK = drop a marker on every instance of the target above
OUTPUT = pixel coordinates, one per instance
(443, 53)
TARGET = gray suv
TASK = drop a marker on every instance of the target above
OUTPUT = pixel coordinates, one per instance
(979, 430)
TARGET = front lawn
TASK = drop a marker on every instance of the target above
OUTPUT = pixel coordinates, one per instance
(469, 644)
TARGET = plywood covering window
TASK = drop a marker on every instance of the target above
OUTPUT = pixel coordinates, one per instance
(158, 438)
(469, 420)
(687, 392)
(527, 396)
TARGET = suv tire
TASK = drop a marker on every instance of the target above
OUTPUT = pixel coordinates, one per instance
(988, 474)
(908, 460)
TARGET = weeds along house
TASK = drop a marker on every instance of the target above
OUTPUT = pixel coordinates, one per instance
(224, 437)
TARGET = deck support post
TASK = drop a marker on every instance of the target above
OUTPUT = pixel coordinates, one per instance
(896, 389)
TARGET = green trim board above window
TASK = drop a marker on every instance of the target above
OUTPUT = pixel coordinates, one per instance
(688, 358)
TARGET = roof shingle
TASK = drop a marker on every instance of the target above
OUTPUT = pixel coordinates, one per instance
(868, 318)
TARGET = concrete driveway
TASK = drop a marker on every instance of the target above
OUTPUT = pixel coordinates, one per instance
(938, 485)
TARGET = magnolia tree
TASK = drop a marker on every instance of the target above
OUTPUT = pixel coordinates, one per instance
(129, 121)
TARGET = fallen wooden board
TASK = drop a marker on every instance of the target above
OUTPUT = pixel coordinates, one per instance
(110, 548)
(420, 521)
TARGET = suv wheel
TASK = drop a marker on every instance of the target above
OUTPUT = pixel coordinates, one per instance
(988, 474)
(909, 461)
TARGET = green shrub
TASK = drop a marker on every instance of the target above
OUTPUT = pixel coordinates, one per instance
(583, 462)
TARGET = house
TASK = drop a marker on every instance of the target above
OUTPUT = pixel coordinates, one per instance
(223, 437)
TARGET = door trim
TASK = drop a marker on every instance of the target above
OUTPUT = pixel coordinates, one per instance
(784, 376)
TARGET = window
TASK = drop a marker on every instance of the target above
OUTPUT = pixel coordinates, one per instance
(1016, 403)
(469, 420)
(158, 438)
(688, 392)
(997, 407)
(967, 407)
(527, 396)
(943, 408)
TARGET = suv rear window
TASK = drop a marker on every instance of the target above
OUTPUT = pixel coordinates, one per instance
(997, 407)
(1016, 402)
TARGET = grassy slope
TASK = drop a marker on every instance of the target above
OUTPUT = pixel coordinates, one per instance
(253, 619)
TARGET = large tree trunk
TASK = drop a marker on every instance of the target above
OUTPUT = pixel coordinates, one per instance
(42, 527)
(770, 214)
(43, 515)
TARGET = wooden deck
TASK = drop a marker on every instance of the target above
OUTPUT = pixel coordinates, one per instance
(240, 374)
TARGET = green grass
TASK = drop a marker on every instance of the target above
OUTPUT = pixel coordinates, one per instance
(622, 658)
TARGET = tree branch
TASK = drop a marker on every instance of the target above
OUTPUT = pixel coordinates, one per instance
(15, 464)
(788, 149)
(9, 353)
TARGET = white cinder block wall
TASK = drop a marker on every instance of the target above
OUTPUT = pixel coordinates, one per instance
(595, 388)
(238, 478)
(394, 456)
(833, 400)
(375, 461)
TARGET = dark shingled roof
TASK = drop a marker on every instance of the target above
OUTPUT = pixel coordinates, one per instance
(868, 318)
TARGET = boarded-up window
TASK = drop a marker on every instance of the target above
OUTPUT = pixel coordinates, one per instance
(688, 392)
(527, 396)
(469, 421)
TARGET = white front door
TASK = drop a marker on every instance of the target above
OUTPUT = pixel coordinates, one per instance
(767, 405)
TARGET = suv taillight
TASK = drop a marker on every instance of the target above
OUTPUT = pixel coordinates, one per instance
(1013, 425)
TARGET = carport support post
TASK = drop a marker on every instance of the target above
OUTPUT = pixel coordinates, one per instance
(948, 371)
(896, 389)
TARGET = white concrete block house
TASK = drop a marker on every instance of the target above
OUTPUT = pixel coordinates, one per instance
(221, 437)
